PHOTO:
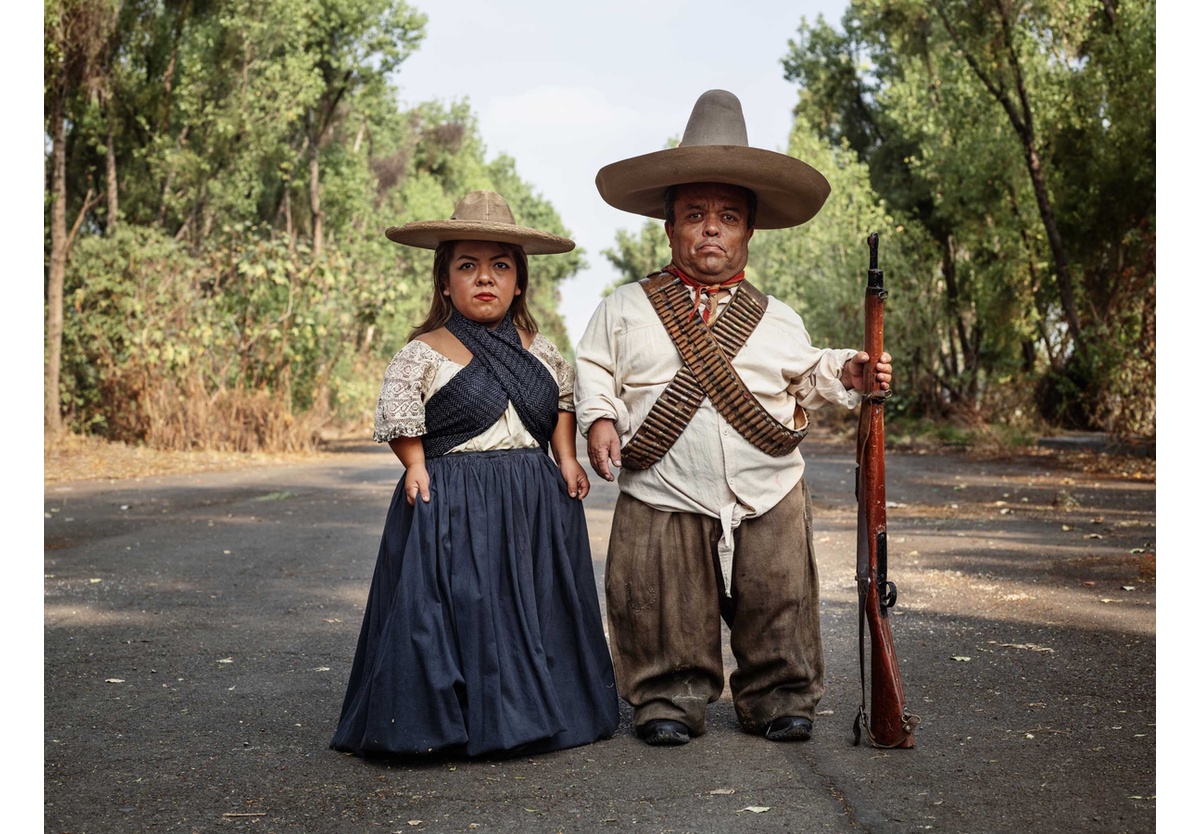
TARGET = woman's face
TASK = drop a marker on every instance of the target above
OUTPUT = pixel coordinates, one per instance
(482, 282)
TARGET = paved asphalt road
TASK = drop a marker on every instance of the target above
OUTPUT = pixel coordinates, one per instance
(198, 633)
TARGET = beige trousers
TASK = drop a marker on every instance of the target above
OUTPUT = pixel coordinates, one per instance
(665, 603)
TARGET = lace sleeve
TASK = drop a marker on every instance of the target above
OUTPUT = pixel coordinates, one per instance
(400, 411)
(564, 373)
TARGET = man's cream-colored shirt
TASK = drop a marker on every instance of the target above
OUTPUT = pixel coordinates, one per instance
(626, 359)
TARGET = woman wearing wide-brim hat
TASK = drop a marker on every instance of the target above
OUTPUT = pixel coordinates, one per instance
(482, 633)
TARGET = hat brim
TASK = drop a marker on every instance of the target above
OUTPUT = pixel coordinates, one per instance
(428, 234)
(789, 191)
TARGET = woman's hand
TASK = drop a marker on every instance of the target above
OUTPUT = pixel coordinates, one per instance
(416, 482)
(577, 480)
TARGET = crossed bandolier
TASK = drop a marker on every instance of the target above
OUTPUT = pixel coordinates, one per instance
(707, 372)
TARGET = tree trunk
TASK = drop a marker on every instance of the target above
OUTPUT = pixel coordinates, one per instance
(1062, 268)
(58, 269)
(314, 189)
(110, 169)
(953, 304)
(287, 215)
(1023, 124)
(1021, 118)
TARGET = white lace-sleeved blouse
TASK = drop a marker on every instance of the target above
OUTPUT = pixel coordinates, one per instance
(418, 371)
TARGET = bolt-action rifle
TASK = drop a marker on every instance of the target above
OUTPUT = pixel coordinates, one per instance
(889, 723)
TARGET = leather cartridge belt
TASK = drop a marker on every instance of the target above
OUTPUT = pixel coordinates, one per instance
(707, 372)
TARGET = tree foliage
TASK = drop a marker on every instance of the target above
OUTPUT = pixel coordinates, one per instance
(1018, 137)
(241, 293)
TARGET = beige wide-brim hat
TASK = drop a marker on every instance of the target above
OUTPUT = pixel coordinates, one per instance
(481, 215)
(714, 148)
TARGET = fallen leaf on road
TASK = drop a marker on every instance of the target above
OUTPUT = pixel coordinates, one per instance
(94, 581)
(961, 659)
(756, 809)
(1089, 582)
(1093, 536)
(114, 680)
(1128, 588)
(722, 791)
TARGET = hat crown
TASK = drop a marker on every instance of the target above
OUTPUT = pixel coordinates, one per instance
(483, 207)
(716, 120)
(480, 215)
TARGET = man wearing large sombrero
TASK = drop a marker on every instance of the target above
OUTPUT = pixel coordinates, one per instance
(695, 385)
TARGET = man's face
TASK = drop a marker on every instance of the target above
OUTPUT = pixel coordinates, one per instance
(710, 240)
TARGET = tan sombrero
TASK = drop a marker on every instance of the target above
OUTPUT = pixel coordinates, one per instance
(714, 148)
(481, 215)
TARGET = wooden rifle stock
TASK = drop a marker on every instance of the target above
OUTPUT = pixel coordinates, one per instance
(889, 723)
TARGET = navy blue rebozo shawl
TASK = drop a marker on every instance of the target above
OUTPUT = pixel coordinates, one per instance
(501, 371)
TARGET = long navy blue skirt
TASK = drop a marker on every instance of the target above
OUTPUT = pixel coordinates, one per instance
(482, 632)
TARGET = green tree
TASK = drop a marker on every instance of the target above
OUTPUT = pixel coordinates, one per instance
(636, 256)
(76, 43)
(1010, 132)
(819, 269)
(247, 297)
(356, 45)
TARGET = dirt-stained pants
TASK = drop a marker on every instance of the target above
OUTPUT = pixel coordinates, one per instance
(663, 587)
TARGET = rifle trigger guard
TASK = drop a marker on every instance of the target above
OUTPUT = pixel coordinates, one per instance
(888, 598)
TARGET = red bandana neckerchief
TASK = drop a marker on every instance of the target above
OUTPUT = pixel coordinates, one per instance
(703, 291)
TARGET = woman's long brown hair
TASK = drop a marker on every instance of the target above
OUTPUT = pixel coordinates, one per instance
(440, 307)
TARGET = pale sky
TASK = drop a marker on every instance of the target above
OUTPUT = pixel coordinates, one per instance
(566, 88)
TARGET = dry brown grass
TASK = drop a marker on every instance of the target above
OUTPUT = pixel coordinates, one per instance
(81, 458)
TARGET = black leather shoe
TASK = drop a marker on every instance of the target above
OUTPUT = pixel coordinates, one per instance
(790, 728)
(663, 732)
